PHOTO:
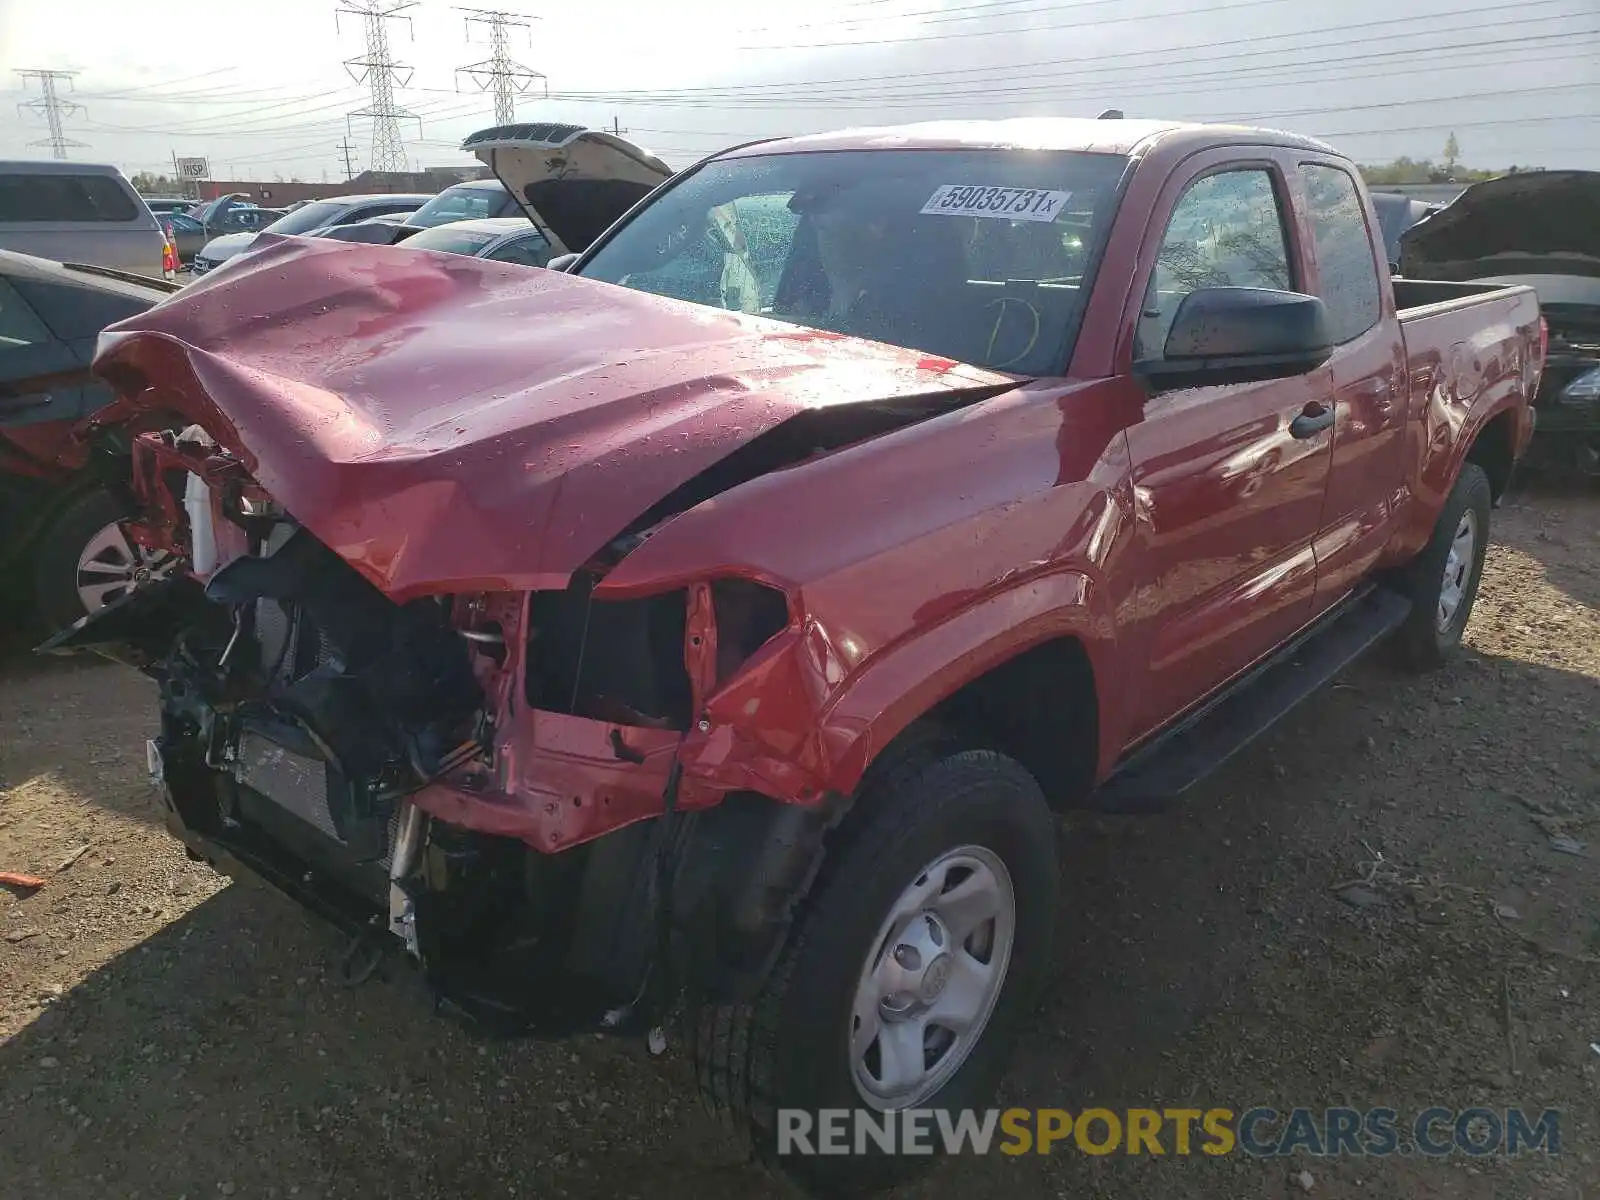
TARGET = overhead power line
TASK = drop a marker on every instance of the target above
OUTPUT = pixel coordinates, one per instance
(500, 73)
(1339, 38)
(1134, 18)
(381, 73)
(52, 107)
(1231, 76)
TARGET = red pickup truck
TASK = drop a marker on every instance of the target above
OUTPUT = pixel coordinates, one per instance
(712, 627)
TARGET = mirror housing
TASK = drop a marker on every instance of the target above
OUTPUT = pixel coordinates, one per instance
(562, 262)
(1231, 335)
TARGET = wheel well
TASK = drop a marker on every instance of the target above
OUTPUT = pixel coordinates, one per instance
(1492, 450)
(1040, 708)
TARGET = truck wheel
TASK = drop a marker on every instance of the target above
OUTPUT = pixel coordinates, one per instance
(915, 958)
(83, 561)
(1443, 579)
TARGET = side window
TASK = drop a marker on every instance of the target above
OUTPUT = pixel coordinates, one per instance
(530, 251)
(18, 325)
(1344, 251)
(57, 198)
(1226, 231)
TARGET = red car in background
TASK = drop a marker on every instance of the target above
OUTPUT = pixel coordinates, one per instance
(62, 551)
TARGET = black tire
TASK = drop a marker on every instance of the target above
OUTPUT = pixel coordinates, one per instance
(788, 1050)
(56, 551)
(1422, 644)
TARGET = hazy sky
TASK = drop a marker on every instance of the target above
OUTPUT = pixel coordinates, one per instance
(260, 89)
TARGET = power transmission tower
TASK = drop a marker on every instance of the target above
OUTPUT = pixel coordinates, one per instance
(499, 72)
(51, 104)
(381, 73)
(617, 126)
(347, 152)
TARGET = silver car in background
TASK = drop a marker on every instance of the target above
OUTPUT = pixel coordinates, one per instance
(503, 239)
(79, 213)
(309, 219)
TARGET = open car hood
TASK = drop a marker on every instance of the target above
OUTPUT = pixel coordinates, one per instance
(572, 182)
(1540, 223)
(447, 423)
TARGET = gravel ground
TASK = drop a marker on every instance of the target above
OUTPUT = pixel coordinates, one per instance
(166, 1034)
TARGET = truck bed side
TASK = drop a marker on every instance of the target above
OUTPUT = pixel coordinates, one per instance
(1472, 361)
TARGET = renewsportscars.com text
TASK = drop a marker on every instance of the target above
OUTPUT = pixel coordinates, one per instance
(1258, 1132)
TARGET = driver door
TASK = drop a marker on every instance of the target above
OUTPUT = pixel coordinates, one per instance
(1227, 499)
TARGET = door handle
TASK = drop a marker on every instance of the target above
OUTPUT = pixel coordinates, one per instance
(1313, 418)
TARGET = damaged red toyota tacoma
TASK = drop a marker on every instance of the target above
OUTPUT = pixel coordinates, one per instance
(713, 627)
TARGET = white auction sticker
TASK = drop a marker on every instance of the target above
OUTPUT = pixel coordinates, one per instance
(1006, 203)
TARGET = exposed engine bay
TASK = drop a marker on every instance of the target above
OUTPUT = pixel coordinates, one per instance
(322, 735)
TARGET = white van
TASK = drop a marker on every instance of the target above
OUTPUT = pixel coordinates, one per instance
(78, 213)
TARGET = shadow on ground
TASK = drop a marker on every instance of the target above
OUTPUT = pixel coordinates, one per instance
(1206, 958)
(1563, 537)
(77, 724)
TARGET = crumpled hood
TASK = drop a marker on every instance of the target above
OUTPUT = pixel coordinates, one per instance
(446, 423)
(1540, 223)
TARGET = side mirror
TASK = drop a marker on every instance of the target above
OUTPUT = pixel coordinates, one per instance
(561, 262)
(1228, 335)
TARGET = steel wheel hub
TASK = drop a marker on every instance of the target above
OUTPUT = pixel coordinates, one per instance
(1457, 569)
(930, 984)
(111, 566)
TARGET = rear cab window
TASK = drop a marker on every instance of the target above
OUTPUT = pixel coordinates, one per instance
(50, 198)
(1342, 244)
(981, 256)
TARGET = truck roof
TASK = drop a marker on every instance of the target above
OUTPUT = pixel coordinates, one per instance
(1110, 136)
(54, 166)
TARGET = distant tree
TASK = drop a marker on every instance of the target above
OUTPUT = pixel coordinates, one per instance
(1401, 170)
(1407, 170)
(1452, 154)
(147, 183)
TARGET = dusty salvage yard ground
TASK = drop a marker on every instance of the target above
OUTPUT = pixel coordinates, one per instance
(165, 1035)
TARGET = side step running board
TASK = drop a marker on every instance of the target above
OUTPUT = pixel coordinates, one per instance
(1159, 774)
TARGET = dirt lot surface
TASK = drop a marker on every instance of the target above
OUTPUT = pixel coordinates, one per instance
(166, 1034)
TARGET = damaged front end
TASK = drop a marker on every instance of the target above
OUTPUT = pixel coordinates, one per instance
(492, 781)
(403, 677)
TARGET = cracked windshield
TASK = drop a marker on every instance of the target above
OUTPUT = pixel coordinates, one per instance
(979, 256)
